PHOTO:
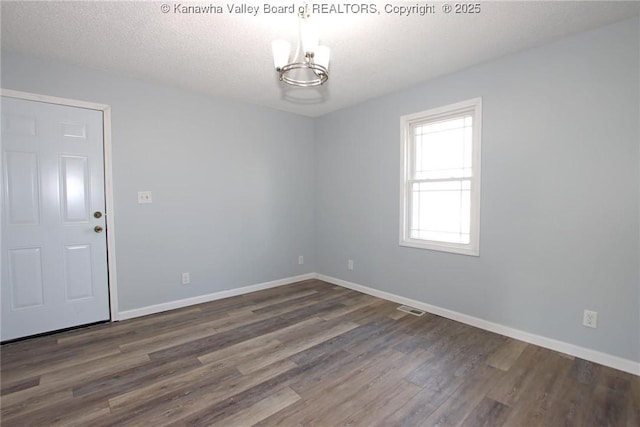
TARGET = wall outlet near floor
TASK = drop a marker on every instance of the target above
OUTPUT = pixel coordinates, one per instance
(590, 319)
(350, 264)
(186, 278)
(144, 197)
(300, 260)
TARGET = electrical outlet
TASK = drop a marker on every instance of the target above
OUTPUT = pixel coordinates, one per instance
(144, 197)
(186, 278)
(590, 319)
(350, 264)
(300, 260)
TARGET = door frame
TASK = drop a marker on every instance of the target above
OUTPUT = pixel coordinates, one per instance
(108, 179)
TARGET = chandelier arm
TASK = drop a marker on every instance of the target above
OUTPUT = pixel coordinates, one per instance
(318, 70)
(316, 73)
(299, 46)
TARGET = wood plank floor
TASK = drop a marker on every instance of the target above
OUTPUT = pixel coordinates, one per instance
(309, 354)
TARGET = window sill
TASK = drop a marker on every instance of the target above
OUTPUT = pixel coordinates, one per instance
(441, 247)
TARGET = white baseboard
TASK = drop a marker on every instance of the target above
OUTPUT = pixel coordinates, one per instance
(172, 305)
(552, 344)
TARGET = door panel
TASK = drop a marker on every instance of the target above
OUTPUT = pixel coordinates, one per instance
(17, 124)
(78, 277)
(22, 188)
(25, 277)
(74, 183)
(54, 265)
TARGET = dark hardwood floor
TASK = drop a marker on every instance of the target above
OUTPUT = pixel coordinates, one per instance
(309, 354)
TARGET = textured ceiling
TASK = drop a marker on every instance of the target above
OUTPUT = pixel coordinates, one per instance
(228, 54)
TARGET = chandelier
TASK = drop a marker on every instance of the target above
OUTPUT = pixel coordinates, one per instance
(310, 63)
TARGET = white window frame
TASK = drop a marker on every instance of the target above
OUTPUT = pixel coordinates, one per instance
(407, 123)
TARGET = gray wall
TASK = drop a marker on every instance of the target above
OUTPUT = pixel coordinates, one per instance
(232, 183)
(560, 185)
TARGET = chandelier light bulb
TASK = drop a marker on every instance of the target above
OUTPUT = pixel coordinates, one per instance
(321, 56)
(308, 36)
(281, 49)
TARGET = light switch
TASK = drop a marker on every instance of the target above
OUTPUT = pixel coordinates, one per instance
(144, 197)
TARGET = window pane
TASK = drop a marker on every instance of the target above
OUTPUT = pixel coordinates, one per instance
(442, 125)
(441, 211)
(443, 149)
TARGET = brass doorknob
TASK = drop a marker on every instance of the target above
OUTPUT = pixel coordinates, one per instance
(97, 214)
(97, 229)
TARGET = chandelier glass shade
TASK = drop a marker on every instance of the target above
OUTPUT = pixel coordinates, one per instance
(310, 63)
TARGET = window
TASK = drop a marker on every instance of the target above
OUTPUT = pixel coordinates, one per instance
(440, 194)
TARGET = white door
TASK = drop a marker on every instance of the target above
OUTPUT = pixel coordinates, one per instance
(54, 251)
